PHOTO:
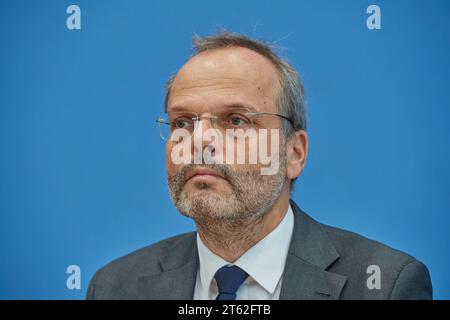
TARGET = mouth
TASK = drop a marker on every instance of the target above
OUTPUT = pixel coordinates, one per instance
(204, 174)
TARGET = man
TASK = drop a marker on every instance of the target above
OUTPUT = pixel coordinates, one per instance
(252, 240)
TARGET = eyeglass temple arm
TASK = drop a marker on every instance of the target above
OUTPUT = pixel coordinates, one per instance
(272, 114)
(162, 121)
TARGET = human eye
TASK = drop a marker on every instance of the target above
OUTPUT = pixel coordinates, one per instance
(182, 122)
(237, 120)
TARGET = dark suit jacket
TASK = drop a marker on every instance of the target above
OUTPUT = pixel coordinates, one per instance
(323, 263)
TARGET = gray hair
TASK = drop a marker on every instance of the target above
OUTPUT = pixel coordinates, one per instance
(290, 100)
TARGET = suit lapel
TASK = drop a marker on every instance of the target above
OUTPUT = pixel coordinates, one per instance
(310, 254)
(179, 271)
(303, 281)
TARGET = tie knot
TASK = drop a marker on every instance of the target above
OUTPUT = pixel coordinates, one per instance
(229, 279)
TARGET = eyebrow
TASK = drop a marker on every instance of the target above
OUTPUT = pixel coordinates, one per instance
(231, 105)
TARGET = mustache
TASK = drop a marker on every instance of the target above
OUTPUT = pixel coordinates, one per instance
(222, 169)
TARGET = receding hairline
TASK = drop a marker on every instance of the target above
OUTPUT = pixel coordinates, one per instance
(233, 48)
(230, 40)
(246, 58)
(198, 53)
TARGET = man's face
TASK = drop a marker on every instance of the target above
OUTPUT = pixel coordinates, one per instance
(208, 84)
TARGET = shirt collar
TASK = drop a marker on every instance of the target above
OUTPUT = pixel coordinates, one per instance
(264, 262)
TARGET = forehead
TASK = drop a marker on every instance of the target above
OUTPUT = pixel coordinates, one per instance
(223, 76)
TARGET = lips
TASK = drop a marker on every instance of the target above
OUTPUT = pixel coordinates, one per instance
(203, 172)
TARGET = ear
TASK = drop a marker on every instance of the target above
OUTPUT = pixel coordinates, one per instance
(297, 152)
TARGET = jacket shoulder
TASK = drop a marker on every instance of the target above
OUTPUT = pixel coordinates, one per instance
(401, 275)
(359, 246)
(118, 278)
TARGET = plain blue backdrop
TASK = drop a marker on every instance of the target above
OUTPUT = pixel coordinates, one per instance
(82, 168)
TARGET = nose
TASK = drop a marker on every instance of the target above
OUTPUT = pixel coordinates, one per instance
(200, 140)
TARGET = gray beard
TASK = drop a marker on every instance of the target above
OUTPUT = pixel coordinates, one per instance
(235, 221)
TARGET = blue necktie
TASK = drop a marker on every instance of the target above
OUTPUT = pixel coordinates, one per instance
(229, 279)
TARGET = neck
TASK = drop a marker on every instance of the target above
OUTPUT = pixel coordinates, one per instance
(231, 238)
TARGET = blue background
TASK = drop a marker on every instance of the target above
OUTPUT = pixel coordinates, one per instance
(82, 169)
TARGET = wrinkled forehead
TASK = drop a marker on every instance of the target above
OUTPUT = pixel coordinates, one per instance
(223, 76)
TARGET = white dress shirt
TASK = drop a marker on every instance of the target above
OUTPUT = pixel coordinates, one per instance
(264, 262)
